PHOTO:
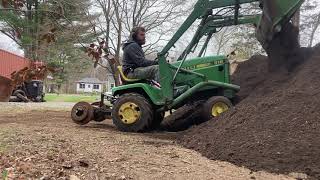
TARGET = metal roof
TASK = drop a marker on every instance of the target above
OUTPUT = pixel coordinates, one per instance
(10, 62)
(91, 81)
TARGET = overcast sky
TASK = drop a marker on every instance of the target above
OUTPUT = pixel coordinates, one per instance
(9, 45)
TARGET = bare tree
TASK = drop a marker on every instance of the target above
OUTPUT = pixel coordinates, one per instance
(310, 21)
(314, 28)
(222, 39)
(118, 17)
(33, 25)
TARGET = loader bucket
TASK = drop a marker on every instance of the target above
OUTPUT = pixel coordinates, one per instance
(276, 14)
(6, 89)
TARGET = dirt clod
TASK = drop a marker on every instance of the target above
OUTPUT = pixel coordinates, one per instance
(84, 163)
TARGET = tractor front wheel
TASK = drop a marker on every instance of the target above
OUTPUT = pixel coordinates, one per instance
(132, 113)
(215, 106)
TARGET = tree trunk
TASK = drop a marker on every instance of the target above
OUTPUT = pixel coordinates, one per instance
(116, 78)
(296, 21)
(67, 87)
(314, 29)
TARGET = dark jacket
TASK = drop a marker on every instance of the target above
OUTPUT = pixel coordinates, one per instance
(133, 57)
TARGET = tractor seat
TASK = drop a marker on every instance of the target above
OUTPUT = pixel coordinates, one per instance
(125, 78)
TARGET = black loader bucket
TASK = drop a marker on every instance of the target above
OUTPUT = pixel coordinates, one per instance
(276, 14)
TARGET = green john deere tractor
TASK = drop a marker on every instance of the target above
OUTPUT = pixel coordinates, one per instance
(140, 105)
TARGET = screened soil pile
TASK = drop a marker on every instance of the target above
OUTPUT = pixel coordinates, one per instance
(276, 127)
(249, 74)
(284, 54)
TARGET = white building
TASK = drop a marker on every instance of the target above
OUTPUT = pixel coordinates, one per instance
(90, 85)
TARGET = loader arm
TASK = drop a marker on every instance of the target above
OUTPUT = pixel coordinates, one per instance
(202, 9)
(211, 26)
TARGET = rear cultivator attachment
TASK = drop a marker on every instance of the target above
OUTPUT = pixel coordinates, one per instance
(83, 112)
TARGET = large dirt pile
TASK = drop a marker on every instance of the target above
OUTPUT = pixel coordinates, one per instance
(276, 127)
(249, 74)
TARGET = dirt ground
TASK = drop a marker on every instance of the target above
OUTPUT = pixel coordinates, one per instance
(44, 144)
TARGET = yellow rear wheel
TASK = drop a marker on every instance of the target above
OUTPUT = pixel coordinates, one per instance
(129, 113)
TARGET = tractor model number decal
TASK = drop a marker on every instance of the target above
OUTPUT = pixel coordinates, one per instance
(205, 65)
(218, 62)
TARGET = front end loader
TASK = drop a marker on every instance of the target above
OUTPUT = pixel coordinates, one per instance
(140, 105)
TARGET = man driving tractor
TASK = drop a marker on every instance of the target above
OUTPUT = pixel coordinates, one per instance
(202, 83)
(135, 65)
